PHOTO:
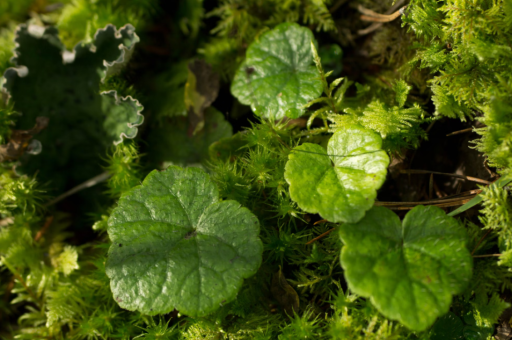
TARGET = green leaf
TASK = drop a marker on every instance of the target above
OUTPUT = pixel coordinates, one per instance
(410, 270)
(340, 184)
(175, 245)
(65, 87)
(277, 77)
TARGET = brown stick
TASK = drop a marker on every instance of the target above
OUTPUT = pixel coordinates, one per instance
(459, 132)
(438, 203)
(448, 201)
(488, 255)
(461, 194)
(323, 235)
(377, 25)
(428, 202)
(468, 178)
(369, 15)
(45, 227)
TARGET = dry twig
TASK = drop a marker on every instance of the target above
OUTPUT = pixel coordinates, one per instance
(378, 24)
(468, 178)
(321, 236)
(459, 132)
(45, 227)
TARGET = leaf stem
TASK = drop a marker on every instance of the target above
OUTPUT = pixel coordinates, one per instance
(321, 236)
(459, 132)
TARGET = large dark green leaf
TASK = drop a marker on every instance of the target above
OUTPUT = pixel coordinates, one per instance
(175, 245)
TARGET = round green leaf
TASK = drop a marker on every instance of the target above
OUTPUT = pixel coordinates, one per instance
(410, 270)
(175, 245)
(277, 77)
(340, 184)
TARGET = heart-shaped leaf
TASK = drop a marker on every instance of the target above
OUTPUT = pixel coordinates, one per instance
(410, 270)
(341, 183)
(278, 76)
(175, 245)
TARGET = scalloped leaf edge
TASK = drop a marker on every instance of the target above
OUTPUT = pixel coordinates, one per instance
(70, 56)
(139, 109)
(110, 68)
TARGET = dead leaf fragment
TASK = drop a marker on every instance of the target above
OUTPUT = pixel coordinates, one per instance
(20, 140)
(201, 90)
(504, 331)
(284, 293)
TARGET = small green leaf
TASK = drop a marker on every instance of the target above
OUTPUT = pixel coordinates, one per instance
(410, 270)
(277, 77)
(340, 184)
(175, 245)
